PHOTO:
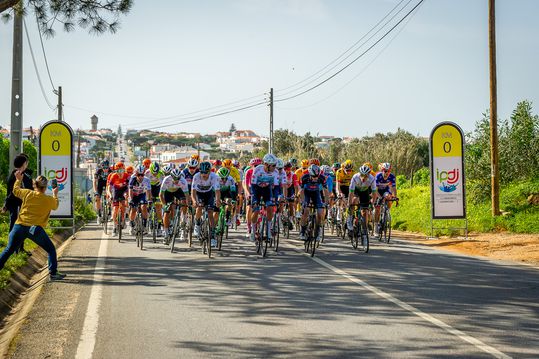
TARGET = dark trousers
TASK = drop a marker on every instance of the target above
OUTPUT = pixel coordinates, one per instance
(19, 233)
(13, 214)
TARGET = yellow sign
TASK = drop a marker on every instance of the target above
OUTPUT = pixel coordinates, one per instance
(447, 141)
(55, 140)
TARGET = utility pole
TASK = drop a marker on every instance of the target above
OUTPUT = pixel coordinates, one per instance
(271, 122)
(78, 148)
(15, 136)
(494, 168)
(60, 104)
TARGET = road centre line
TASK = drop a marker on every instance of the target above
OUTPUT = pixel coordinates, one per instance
(87, 340)
(429, 318)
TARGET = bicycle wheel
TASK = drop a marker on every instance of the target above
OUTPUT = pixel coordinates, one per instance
(264, 237)
(314, 242)
(154, 224)
(364, 235)
(208, 238)
(140, 229)
(105, 218)
(356, 234)
(176, 225)
(119, 225)
(190, 224)
(387, 229)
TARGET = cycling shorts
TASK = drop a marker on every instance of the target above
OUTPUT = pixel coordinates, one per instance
(138, 199)
(313, 197)
(364, 198)
(155, 191)
(207, 199)
(229, 194)
(169, 196)
(345, 190)
(261, 193)
(118, 195)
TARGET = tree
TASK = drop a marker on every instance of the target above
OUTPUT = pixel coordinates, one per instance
(232, 128)
(98, 16)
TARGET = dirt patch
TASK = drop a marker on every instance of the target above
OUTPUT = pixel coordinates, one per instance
(522, 248)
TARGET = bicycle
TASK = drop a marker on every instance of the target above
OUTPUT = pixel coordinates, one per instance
(286, 220)
(360, 230)
(139, 228)
(153, 223)
(261, 234)
(222, 225)
(384, 226)
(177, 226)
(105, 209)
(275, 229)
(311, 231)
(205, 231)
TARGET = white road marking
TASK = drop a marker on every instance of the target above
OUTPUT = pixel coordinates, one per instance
(91, 321)
(429, 318)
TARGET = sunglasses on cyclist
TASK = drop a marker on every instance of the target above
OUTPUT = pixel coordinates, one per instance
(204, 172)
(140, 175)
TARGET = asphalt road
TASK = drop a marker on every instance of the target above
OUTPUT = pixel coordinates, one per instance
(399, 300)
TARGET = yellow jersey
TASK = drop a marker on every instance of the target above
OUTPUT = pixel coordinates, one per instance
(343, 178)
(235, 174)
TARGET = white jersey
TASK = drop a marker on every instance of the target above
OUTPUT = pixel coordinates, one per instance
(262, 178)
(171, 185)
(137, 187)
(360, 185)
(201, 185)
(227, 184)
(282, 178)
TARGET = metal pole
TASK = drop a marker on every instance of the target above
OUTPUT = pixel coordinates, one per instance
(15, 145)
(78, 148)
(271, 122)
(495, 171)
(60, 104)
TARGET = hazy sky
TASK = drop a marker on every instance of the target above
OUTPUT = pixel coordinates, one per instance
(176, 57)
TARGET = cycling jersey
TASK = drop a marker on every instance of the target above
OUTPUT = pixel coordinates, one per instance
(155, 179)
(201, 185)
(118, 181)
(343, 178)
(360, 185)
(291, 179)
(101, 175)
(248, 177)
(384, 184)
(171, 185)
(313, 184)
(227, 184)
(329, 182)
(261, 178)
(137, 187)
(188, 176)
(235, 174)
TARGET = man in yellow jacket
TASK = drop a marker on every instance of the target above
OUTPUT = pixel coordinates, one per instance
(33, 217)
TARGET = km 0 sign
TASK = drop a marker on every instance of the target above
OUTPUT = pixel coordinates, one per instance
(447, 171)
(56, 162)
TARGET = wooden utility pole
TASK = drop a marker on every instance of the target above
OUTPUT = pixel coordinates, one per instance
(15, 135)
(494, 163)
(270, 145)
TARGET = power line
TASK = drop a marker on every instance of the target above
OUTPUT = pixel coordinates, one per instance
(359, 73)
(35, 67)
(350, 48)
(44, 54)
(354, 60)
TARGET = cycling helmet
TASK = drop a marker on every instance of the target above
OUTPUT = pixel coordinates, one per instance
(112, 168)
(368, 164)
(314, 161)
(336, 166)
(105, 164)
(314, 170)
(255, 162)
(227, 162)
(140, 169)
(304, 163)
(176, 173)
(270, 159)
(217, 163)
(236, 163)
(192, 163)
(280, 163)
(347, 165)
(129, 170)
(288, 165)
(205, 167)
(182, 166)
(223, 172)
(386, 166)
(119, 166)
(167, 169)
(294, 162)
(325, 169)
(195, 157)
(154, 167)
(147, 162)
(364, 170)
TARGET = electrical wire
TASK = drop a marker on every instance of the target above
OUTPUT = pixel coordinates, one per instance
(358, 74)
(44, 54)
(321, 71)
(354, 60)
(35, 67)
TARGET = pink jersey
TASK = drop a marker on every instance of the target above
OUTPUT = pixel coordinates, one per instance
(248, 177)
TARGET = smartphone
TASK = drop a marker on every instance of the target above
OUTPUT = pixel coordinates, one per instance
(54, 183)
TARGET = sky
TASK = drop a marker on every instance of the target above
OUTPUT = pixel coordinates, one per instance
(180, 57)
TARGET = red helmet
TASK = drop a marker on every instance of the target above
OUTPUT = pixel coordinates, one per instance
(255, 161)
(314, 161)
(217, 163)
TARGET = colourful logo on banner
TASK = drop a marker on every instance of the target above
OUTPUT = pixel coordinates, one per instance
(60, 176)
(448, 179)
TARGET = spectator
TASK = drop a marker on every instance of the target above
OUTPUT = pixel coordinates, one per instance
(12, 203)
(33, 217)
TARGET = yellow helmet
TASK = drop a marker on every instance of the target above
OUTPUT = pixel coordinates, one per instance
(368, 164)
(304, 163)
(227, 162)
(347, 165)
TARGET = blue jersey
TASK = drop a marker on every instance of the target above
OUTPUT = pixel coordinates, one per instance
(329, 182)
(384, 184)
(188, 176)
(313, 184)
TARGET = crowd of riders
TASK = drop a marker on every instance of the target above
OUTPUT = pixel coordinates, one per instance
(271, 183)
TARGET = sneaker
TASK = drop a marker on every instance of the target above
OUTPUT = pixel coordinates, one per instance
(319, 237)
(197, 230)
(214, 242)
(57, 276)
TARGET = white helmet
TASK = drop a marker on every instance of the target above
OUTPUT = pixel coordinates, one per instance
(364, 170)
(280, 163)
(270, 159)
(386, 166)
(176, 173)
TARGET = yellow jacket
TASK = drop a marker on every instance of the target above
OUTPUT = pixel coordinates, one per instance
(36, 207)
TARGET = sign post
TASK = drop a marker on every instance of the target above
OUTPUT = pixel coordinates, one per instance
(56, 162)
(448, 190)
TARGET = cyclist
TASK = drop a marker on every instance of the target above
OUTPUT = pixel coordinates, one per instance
(100, 183)
(139, 192)
(229, 191)
(235, 174)
(368, 164)
(279, 192)
(292, 189)
(174, 186)
(156, 175)
(190, 171)
(147, 163)
(216, 165)
(311, 185)
(247, 186)
(387, 189)
(294, 162)
(117, 187)
(205, 191)
(302, 170)
(264, 179)
(362, 188)
(129, 170)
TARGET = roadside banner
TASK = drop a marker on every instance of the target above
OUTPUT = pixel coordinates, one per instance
(56, 162)
(447, 183)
